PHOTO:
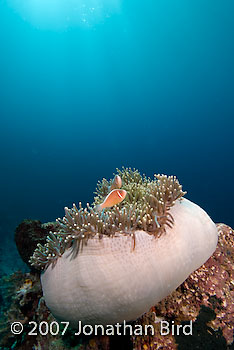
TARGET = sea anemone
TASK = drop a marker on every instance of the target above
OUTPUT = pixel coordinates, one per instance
(110, 266)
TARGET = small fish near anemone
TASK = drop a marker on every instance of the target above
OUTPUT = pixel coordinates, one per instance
(104, 267)
(113, 198)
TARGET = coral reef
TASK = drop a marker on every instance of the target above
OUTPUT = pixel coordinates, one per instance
(206, 298)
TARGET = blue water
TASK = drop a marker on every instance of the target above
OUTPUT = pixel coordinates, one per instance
(143, 84)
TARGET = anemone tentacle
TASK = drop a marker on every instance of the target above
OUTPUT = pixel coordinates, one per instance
(146, 207)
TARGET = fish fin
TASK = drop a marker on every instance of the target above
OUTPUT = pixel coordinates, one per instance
(98, 207)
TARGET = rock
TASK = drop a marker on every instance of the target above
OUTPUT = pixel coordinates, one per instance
(206, 298)
(28, 234)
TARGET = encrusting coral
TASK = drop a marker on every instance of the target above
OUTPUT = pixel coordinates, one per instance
(146, 207)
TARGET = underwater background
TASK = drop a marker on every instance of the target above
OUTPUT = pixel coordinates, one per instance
(88, 86)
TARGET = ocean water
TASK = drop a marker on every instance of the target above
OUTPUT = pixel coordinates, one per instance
(86, 87)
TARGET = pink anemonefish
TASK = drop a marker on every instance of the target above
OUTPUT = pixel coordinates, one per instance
(116, 183)
(114, 197)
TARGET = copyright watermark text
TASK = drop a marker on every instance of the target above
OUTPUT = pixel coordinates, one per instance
(55, 328)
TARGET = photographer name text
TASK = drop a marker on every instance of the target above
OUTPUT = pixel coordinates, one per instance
(54, 328)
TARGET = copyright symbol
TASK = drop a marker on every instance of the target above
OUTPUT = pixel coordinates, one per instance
(17, 328)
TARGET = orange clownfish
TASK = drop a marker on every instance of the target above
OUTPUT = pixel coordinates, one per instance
(114, 197)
